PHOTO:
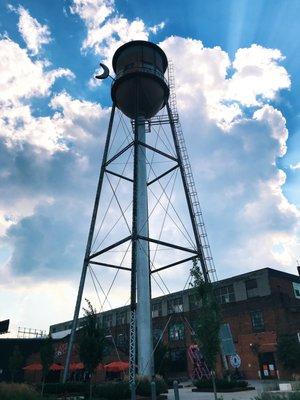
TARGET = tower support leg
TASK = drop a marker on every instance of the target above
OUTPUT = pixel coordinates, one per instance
(88, 248)
(141, 261)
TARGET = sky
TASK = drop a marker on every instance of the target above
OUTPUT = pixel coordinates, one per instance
(237, 77)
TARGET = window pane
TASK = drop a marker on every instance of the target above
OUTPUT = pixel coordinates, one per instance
(176, 332)
(156, 310)
(251, 284)
(296, 287)
(257, 321)
(175, 305)
(225, 294)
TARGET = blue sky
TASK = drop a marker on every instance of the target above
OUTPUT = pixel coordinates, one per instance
(236, 66)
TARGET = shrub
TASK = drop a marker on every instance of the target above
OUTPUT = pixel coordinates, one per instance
(143, 386)
(170, 382)
(18, 391)
(78, 388)
(288, 351)
(112, 390)
(107, 390)
(221, 384)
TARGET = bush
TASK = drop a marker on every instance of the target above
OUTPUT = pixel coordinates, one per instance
(288, 351)
(221, 384)
(107, 390)
(170, 382)
(18, 391)
(78, 388)
(143, 386)
(112, 390)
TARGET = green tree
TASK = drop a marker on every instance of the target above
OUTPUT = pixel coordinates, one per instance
(161, 359)
(47, 357)
(288, 351)
(15, 362)
(208, 324)
(91, 341)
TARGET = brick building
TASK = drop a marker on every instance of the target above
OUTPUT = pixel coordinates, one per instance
(259, 306)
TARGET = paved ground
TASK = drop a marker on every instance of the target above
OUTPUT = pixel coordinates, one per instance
(187, 394)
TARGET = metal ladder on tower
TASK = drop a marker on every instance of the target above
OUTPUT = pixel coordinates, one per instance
(192, 191)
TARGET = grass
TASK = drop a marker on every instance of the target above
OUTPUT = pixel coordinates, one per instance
(18, 391)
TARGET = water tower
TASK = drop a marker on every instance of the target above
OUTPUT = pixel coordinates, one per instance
(142, 93)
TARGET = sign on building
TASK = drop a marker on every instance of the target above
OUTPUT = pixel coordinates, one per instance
(227, 344)
(4, 326)
(235, 361)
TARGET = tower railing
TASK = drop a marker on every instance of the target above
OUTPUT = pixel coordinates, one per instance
(140, 69)
(192, 191)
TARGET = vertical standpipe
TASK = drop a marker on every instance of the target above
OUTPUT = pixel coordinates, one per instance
(140, 90)
(142, 261)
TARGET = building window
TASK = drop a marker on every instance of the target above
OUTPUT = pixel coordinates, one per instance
(107, 320)
(176, 332)
(296, 287)
(257, 321)
(175, 305)
(194, 302)
(121, 318)
(156, 310)
(225, 294)
(251, 288)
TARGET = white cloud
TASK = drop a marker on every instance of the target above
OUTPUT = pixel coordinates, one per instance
(11, 213)
(237, 137)
(22, 79)
(94, 83)
(94, 13)
(202, 76)
(78, 120)
(258, 75)
(277, 122)
(106, 29)
(156, 28)
(73, 120)
(27, 299)
(33, 33)
(295, 166)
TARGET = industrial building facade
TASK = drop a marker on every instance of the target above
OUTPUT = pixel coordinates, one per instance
(259, 306)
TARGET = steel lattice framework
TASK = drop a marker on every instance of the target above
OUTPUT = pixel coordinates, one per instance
(178, 164)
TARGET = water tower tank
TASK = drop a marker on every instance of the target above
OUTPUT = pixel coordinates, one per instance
(140, 88)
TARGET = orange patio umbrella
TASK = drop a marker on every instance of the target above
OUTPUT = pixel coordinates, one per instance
(75, 366)
(56, 367)
(39, 367)
(33, 367)
(117, 366)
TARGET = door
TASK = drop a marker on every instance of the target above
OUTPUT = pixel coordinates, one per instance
(267, 365)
